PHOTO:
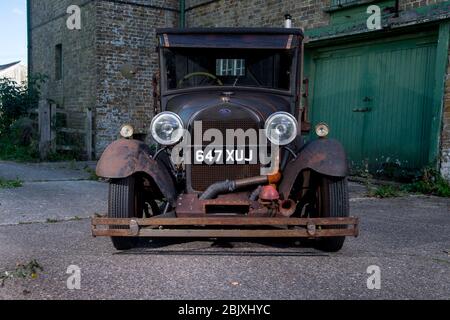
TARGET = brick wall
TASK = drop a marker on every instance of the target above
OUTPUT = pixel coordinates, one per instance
(233, 13)
(126, 36)
(445, 141)
(75, 92)
(112, 35)
(410, 4)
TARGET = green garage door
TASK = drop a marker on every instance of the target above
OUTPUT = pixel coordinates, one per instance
(377, 99)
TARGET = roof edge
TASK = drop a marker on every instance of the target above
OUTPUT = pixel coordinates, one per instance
(9, 65)
(290, 31)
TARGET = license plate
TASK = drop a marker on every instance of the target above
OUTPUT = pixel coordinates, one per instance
(211, 156)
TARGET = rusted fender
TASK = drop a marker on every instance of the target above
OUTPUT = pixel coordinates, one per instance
(123, 158)
(324, 156)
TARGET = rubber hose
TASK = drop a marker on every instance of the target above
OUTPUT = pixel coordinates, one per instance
(218, 188)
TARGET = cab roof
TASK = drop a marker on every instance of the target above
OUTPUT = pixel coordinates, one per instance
(230, 38)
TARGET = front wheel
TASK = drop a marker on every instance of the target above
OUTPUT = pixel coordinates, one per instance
(332, 201)
(122, 204)
(127, 200)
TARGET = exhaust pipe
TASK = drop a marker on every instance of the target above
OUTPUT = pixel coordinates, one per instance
(288, 21)
(230, 186)
(287, 208)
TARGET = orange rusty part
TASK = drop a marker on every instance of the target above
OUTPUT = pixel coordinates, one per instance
(269, 193)
(275, 179)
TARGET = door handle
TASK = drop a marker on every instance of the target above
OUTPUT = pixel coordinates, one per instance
(362, 110)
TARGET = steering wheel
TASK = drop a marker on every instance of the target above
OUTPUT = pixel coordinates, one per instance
(204, 74)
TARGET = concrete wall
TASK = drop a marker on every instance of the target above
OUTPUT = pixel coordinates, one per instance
(17, 73)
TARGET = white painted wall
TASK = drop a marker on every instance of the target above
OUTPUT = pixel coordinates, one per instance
(18, 73)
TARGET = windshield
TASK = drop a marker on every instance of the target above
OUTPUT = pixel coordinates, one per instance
(188, 68)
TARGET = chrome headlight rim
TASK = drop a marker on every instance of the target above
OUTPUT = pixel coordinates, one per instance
(322, 130)
(288, 116)
(127, 131)
(179, 132)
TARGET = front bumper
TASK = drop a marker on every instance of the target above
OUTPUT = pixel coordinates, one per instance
(226, 227)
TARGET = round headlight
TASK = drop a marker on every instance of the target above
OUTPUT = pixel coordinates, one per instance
(322, 130)
(281, 128)
(167, 128)
(127, 131)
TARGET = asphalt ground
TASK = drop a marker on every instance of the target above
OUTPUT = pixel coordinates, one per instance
(47, 220)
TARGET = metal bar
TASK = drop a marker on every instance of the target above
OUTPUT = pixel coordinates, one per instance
(182, 13)
(228, 221)
(155, 233)
(29, 42)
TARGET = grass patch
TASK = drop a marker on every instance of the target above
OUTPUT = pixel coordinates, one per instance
(21, 223)
(92, 174)
(441, 261)
(428, 181)
(439, 187)
(10, 184)
(22, 271)
(16, 152)
(61, 157)
(53, 221)
(387, 191)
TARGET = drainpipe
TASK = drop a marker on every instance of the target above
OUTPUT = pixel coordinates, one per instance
(29, 47)
(397, 8)
(182, 13)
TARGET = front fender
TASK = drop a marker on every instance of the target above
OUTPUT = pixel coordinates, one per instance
(123, 158)
(324, 156)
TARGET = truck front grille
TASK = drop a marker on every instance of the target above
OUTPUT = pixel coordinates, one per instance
(203, 176)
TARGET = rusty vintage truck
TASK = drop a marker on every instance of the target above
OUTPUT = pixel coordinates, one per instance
(213, 84)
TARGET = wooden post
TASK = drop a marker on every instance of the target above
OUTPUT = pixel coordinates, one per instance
(88, 131)
(44, 128)
(53, 110)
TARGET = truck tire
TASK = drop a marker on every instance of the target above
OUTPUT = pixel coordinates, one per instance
(333, 202)
(123, 203)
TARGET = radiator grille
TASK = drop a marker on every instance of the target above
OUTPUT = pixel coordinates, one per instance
(203, 176)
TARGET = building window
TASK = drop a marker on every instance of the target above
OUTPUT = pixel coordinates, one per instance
(58, 62)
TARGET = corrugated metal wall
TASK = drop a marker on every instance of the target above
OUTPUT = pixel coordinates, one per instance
(377, 98)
